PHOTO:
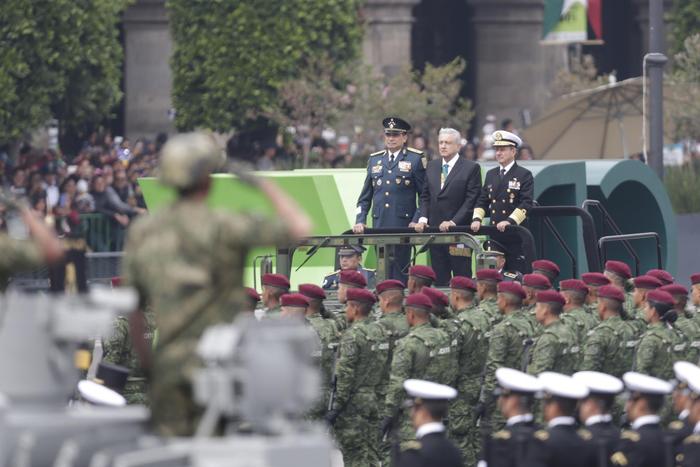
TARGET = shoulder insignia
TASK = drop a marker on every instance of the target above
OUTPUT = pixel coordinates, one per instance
(585, 434)
(417, 151)
(692, 439)
(676, 425)
(376, 153)
(512, 275)
(410, 445)
(630, 435)
(619, 459)
(503, 434)
(370, 270)
(542, 435)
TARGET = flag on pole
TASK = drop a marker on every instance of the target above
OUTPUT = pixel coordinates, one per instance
(568, 21)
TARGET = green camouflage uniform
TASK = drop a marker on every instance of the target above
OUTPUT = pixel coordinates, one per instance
(580, 322)
(689, 329)
(491, 308)
(636, 320)
(655, 351)
(609, 348)
(186, 261)
(329, 339)
(453, 329)
(507, 344)
(17, 256)
(529, 313)
(118, 349)
(556, 349)
(472, 357)
(363, 350)
(423, 354)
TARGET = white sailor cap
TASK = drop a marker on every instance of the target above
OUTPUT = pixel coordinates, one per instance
(645, 384)
(516, 381)
(427, 390)
(599, 383)
(506, 138)
(688, 376)
(559, 385)
(98, 394)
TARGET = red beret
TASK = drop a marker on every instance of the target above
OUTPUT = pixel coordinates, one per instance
(674, 289)
(389, 284)
(352, 277)
(276, 280)
(461, 282)
(647, 282)
(619, 268)
(576, 285)
(550, 296)
(546, 265)
(660, 296)
(512, 288)
(312, 291)
(294, 300)
(438, 298)
(361, 295)
(612, 292)
(116, 281)
(419, 300)
(536, 281)
(489, 275)
(664, 276)
(252, 294)
(695, 278)
(596, 279)
(426, 272)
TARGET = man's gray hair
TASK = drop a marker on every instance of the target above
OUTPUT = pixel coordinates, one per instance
(451, 131)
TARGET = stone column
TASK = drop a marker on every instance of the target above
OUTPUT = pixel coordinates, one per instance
(147, 77)
(512, 69)
(387, 41)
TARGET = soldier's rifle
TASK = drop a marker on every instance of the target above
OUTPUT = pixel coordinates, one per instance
(334, 380)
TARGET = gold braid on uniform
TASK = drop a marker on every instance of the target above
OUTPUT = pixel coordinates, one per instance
(518, 215)
(479, 213)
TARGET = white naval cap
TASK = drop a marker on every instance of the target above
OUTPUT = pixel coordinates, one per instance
(599, 383)
(427, 390)
(516, 381)
(646, 384)
(559, 385)
(688, 375)
(100, 395)
(506, 138)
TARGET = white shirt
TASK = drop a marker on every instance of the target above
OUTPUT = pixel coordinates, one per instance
(684, 414)
(522, 418)
(593, 419)
(507, 167)
(697, 428)
(556, 421)
(645, 420)
(429, 428)
(394, 154)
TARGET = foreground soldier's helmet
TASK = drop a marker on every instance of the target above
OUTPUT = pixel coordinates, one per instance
(188, 159)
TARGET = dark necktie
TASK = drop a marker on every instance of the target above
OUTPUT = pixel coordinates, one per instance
(391, 158)
(503, 173)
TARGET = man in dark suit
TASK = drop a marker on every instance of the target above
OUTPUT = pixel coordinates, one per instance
(395, 178)
(452, 187)
(428, 408)
(506, 198)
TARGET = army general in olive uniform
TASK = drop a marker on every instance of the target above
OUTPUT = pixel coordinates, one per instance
(186, 261)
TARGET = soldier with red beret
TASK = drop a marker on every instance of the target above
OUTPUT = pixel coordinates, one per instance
(664, 276)
(695, 295)
(532, 285)
(593, 280)
(487, 281)
(655, 355)
(441, 318)
(253, 298)
(610, 346)
(349, 279)
(642, 285)
(293, 305)
(557, 348)
(420, 276)
(575, 315)
(687, 327)
(547, 268)
(274, 286)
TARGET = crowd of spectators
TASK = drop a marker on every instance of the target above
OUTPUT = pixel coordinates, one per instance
(100, 179)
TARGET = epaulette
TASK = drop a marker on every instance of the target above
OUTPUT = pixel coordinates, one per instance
(414, 150)
(630, 435)
(511, 275)
(503, 434)
(334, 272)
(585, 434)
(377, 153)
(676, 425)
(370, 270)
(542, 435)
(410, 445)
(619, 459)
(692, 439)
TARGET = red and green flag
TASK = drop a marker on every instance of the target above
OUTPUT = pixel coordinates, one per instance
(572, 21)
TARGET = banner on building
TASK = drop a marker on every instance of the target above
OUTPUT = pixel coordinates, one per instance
(567, 21)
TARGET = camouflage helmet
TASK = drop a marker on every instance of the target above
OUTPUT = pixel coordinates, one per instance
(189, 158)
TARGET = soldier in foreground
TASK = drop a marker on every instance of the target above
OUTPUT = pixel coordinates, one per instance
(556, 348)
(689, 455)
(428, 405)
(186, 261)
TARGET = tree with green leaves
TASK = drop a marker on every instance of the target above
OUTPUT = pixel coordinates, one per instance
(685, 21)
(58, 59)
(231, 58)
